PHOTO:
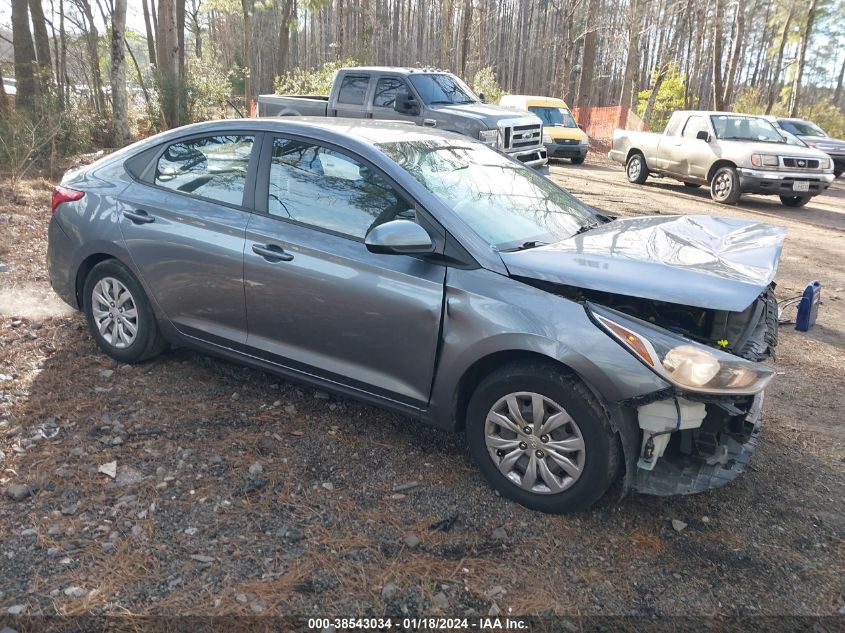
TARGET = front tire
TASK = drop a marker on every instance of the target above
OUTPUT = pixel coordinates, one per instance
(541, 439)
(578, 160)
(794, 201)
(119, 315)
(636, 169)
(724, 188)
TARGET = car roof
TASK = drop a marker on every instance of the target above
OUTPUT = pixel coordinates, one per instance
(337, 129)
(401, 70)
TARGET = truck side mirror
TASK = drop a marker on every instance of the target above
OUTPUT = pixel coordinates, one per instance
(405, 104)
(482, 98)
(703, 135)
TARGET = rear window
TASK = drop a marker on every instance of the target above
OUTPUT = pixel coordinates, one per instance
(353, 90)
(213, 167)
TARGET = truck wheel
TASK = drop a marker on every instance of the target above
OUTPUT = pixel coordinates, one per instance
(724, 188)
(838, 171)
(578, 160)
(541, 439)
(794, 201)
(636, 169)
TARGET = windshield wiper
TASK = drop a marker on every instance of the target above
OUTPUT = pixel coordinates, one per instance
(526, 245)
(586, 227)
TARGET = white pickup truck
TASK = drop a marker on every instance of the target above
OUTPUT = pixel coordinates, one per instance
(731, 153)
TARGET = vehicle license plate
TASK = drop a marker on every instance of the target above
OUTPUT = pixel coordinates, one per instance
(800, 185)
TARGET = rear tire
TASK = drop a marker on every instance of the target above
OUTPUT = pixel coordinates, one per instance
(794, 201)
(578, 160)
(636, 169)
(119, 315)
(724, 187)
(566, 464)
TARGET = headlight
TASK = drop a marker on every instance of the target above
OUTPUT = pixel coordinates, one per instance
(490, 137)
(585, 140)
(764, 160)
(687, 364)
(824, 163)
(546, 137)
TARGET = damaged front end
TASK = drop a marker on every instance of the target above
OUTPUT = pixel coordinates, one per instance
(701, 433)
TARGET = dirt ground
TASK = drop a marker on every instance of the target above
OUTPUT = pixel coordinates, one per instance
(239, 493)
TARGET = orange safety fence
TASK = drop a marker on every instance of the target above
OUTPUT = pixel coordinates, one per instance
(599, 123)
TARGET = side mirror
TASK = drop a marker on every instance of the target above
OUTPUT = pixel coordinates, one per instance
(399, 237)
(405, 104)
(482, 98)
(703, 135)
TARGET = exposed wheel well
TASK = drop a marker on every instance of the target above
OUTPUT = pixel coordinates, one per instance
(483, 367)
(717, 166)
(631, 152)
(82, 273)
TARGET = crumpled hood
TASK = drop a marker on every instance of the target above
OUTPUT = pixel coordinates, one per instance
(488, 114)
(694, 260)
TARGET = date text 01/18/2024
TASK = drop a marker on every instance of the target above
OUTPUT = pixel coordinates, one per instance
(454, 624)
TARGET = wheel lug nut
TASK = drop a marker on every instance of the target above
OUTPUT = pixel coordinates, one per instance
(540, 454)
(500, 453)
(523, 445)
(544, 439)
(527, 429)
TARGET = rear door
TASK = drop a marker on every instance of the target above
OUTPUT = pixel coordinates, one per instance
(350, 97)
(317, 300)
(184, 220)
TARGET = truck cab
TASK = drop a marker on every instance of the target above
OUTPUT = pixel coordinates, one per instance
(563, 137)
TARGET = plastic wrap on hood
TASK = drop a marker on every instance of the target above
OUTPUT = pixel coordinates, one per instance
(694, 260)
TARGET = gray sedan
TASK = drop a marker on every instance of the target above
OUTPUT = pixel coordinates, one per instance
(427, 273)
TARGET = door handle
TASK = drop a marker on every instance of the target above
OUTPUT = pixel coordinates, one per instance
(139, 216)
(272, 252)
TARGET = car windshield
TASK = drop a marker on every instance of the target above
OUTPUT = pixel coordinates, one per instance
(802, 128)
(507, 204)
(556, 117)
(442, 89)
(731, 127)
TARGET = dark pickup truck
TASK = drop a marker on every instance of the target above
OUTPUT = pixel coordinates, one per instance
(431, 98)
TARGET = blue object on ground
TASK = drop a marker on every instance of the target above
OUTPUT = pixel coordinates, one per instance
(808, 308)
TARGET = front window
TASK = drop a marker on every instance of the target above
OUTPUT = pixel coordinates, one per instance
(507, 204)
(736, 127)
(556, 117)
(442, 90)
(802, 128)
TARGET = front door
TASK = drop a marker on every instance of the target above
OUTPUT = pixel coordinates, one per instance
(384, 99)
(183, 224)
(317, 300)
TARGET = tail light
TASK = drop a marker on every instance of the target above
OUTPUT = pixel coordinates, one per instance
(63, 194)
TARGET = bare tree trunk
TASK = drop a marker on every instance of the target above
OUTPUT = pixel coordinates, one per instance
(795, 98)
(774, 89)
(631, 59)
(248, 6)
(588, 59)
(120, 115)
(718, 90)
(837, 96)
(28, 89)
(151, 44)
(739, 33)
(466, 22)
(4, 100)
(167, 55)
(42, 42)
(92, 41)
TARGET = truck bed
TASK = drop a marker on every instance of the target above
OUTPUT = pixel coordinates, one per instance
(299, 105)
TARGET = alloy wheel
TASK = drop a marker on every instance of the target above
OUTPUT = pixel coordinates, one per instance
(534, 443)
(722, 185)
(115, 312)
(634, 168)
